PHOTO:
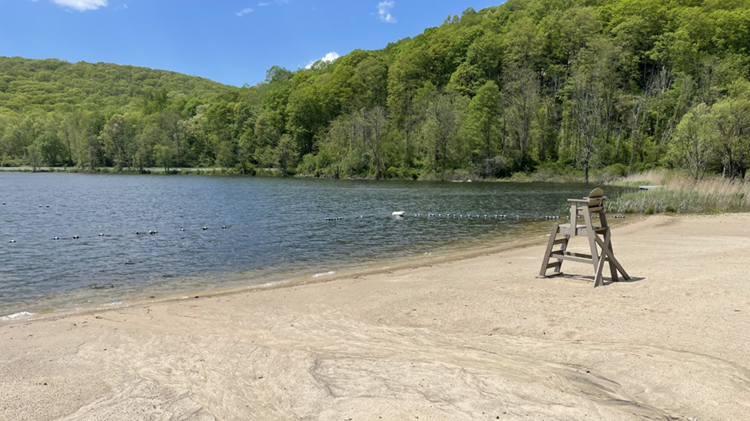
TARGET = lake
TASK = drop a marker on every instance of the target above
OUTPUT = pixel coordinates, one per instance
(226, 232)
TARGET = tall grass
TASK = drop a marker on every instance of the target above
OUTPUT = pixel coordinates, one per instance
(681, 194)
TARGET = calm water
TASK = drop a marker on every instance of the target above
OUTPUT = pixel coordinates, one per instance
(276, 229)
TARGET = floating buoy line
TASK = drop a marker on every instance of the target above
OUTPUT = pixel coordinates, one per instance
(138, 233)
(429, 215)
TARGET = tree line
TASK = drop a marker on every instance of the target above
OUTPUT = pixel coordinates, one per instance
(553, 86)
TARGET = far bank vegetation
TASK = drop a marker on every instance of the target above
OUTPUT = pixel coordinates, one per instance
(539, 90)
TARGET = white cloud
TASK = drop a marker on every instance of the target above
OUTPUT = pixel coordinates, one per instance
(81, 5)
(244, 11)
(328, 58)
(264, 4)
(384, 11)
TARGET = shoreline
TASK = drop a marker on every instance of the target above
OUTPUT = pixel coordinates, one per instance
(476, 338)
(521, 178)
(456, 252)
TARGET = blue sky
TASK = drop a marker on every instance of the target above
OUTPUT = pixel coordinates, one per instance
(230, 41)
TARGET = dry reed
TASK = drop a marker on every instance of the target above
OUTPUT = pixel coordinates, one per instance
(681, 194)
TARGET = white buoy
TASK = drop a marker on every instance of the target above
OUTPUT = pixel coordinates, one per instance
(398, 213)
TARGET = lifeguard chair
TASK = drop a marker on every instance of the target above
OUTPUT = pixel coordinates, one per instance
(600, 240)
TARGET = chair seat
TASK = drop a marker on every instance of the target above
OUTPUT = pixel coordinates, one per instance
(580, 228)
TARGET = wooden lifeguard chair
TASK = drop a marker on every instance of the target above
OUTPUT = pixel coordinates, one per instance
(600, 240)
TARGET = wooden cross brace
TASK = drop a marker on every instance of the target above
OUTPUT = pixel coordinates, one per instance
(609, 256)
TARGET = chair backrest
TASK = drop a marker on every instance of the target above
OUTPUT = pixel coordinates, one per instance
(596, 198)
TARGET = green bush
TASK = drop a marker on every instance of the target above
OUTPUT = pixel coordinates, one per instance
(555, 172)
(7, 161)
(520, 177)
(392, 172)
(612, 173)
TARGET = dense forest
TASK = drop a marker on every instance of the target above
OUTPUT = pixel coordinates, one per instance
(558, 87)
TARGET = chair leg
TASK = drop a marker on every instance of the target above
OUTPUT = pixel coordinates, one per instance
(598, 276)
(548, 252)
(610, 256)
(596, 259)
(563, 248)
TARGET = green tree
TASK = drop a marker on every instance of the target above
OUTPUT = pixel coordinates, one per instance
(483, 128)
(34, 156)
(115, 139)
(164, 156)
(373, 130)
(732, 121)
(286, 152)
(521, 94)
(52, 148)
(225, 156)
(339, 145)
(694, 141)
(440, 131)
(587, 109)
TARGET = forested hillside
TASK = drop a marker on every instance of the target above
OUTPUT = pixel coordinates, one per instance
(28, 86)
(557, 86)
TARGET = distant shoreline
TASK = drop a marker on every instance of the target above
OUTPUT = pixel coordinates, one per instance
(276, 173)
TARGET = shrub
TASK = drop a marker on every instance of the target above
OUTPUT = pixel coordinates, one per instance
(612, 173)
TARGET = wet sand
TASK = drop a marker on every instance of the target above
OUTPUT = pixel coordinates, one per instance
(475, 339)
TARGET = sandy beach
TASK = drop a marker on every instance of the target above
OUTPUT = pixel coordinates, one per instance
(474, 339)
